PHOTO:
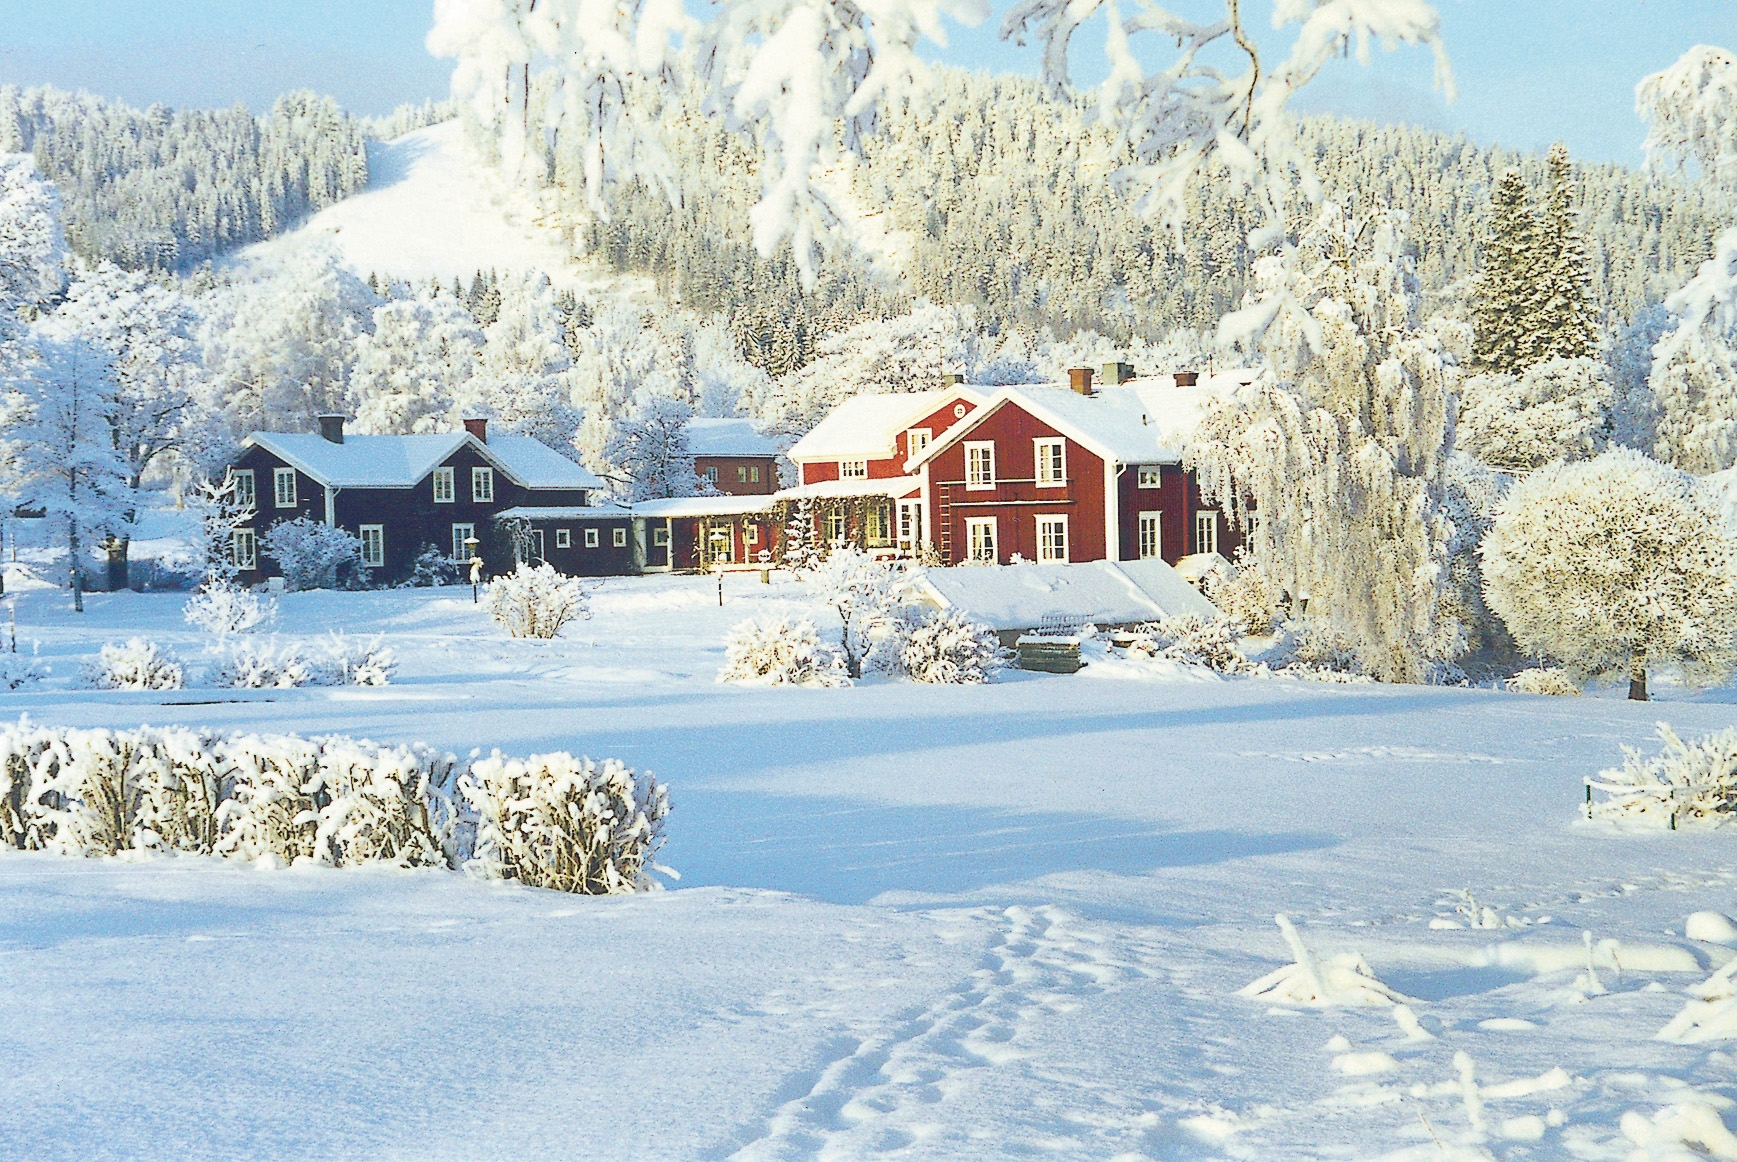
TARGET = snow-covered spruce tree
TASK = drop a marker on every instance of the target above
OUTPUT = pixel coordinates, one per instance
(1570, 328)
(863, 591)
(312, 555)
(32, 248)
(1342, 452)
(1508, 290)
(802, 550)
(1619, 562)
(1555, 410)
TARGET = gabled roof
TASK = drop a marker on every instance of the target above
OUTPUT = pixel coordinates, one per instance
(405, 461)
(865, 427)
(1006, 597)
(728, 437)
(1142, 421)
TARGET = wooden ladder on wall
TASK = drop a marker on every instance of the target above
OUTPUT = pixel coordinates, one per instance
(944, 525)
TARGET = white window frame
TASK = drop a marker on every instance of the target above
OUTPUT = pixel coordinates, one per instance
(724, 534)
(979, 454)
(916, 441)
(974, 526)
(373, 545)
(1055, 521)
(445, 490)
(619, 539)
(482, 485)
(246, 491)
(1149, 476)
(751, 533)
(460, 533)
(660, 537)
(283, 497)
(712, 474)
(1154, 517)
(539, 553)
(1044, 462)
(240, 539)
(753, 474)
(877, 525)
(1207, 518)
(910, 523)
(836, 517)
(591, 538)
(563, 538)
(853, 469)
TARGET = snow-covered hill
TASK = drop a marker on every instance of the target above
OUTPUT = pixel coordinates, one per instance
(432, 208)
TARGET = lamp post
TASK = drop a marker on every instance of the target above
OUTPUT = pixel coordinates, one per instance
(476, 567)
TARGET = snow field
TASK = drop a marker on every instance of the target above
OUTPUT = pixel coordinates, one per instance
(914, 921)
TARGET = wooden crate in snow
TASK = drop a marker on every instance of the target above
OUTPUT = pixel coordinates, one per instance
(1051, 655)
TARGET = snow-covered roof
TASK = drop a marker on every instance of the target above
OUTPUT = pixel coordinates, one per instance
(896, 486)
(866, 426)
(1006, 597)
(702, 506)
(405, 461)
(728, 437)
(1143, 421)
(557, 512)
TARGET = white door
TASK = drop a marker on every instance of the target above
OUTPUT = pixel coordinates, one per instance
(910, 525)
(1150, 543)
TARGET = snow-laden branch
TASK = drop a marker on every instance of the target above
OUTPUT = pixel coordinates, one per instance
(1691, 113)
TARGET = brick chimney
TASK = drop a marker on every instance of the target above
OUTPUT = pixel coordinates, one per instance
(332, 428)
(1080, 379)
(478, 428)
(1116, 374)
(1186, 378)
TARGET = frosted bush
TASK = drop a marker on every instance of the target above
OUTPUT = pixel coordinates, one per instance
(945, 646)
(1545, 680)
(222, 608)
(536, 601)
(1245, 596)
(556, 821)
(251, 665)
(1686, 782)
(780, 651)
(18, 670)
(312, 555)
(1193, 640)
(433, 568)
(135, 666)
(344, 662)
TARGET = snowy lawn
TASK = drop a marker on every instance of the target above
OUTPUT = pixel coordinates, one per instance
(914, 921)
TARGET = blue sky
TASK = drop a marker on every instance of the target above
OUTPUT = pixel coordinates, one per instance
(1530, 71)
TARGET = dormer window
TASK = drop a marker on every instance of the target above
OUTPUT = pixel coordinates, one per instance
(853, 469)
(916, 439)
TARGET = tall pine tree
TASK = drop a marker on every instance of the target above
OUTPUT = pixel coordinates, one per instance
(1569, 330)
(1505, 306)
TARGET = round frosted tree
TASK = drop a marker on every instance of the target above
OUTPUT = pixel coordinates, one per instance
(1618, 561)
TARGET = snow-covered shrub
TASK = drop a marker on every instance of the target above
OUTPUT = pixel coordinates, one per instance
(1245, 596)
(556, 821)
(1686, 782)
(432, 568)
(221, 608)
(18, 670)
(1193, 640)
(536, 601)
(1545, 680)
(343, 662)
(944, 646)
(864, 592)
(135, 666)
(256, 665)
(780, 651)
(313, 555)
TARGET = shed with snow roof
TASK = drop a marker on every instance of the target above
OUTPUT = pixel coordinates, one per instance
(1015, 599)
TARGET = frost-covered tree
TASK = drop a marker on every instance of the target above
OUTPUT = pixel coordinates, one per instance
(32, 248)
(1342, 451)
(1556, 410)
(521, 375)
(1570, 329)
(1616, 563)
(652, 449)
(413, 367)
(1508, 287)
(311, 555)
(863, 591)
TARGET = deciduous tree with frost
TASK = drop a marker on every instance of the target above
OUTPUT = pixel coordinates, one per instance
(1556, 410)
(411, 369)
(32, 248)
(1617, 563)
(863, 591)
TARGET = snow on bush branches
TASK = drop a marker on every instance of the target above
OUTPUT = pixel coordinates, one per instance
(222, 608)
(550, 821)
(536, 601)
(135, 666)
(1686, 782)
(945, 646)
(780, 651)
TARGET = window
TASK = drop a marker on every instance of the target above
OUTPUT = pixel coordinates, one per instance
(741, 474)
(620, 538)
(1052, 538)
(1150, 476)
(1052, 467)
(979, 464)
(482, 485)
(536, 545)
(443, 487)
(910, 523)
(980, 537)
(752, 534)
(722, 542)
(563, 538)
(373, 546)
(853, 469)
(590, 538)
(753, 474)
(1151, 543)
(916, 440)
(660, 538)
(283, 483)
(834, 527)
(461, 534)
(1206, 531)
(712, 474)
(242, 479)
(879, 533)
(245, 549)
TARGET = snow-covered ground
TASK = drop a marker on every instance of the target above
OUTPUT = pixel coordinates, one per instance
(920, 922)
(432, 209)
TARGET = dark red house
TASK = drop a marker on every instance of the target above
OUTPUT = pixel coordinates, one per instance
(734, 458)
